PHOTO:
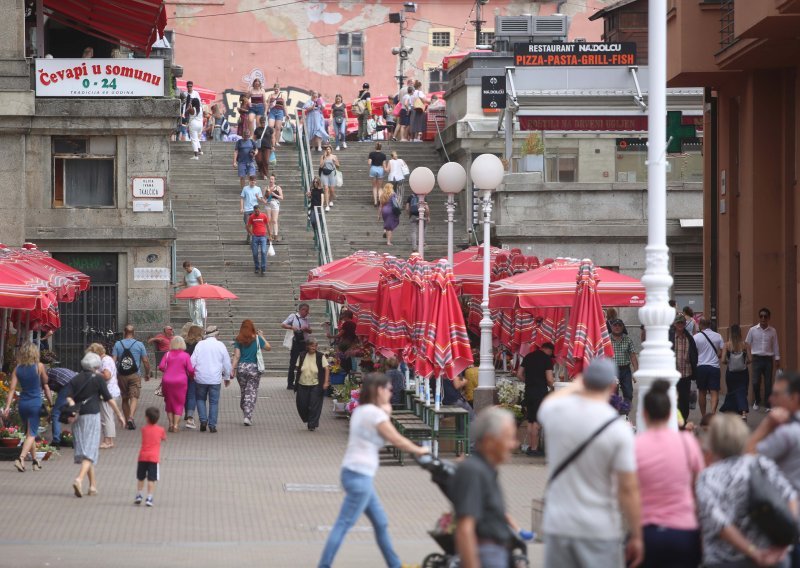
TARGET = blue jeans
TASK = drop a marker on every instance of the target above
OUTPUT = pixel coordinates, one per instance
(259, 248)
(626, 382)
(671, 548)
(340, 130)
(360, 497)
(761, 366)
(207, 413)
(191, 399)
(493, 556)
(61, 401)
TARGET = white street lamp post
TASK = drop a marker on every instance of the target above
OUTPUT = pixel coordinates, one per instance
(451, 178)
(657, 361)
(421, 181)
(487, 173)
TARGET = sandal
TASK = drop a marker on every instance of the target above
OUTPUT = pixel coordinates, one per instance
(76, 487)
(37, 465)
(19, 465)
(92, 491)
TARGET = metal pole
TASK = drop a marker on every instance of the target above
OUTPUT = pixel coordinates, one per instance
(657, 361)
(40, 28)
(478, 22)
(421, 228)
(401, 76)
(451, 209)
(486, 378)
(3, 333)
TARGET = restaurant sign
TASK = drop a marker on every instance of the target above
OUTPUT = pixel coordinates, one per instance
(632, 123)
(585, 54)
(99, 77)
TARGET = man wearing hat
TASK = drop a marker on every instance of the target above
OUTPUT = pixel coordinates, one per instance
(363, 97)
(686, 361)
(624, 356)
(257, 226)
(212, 365)
(592, 475)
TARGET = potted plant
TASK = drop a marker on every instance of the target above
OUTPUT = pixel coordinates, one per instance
(67, 439)
(10, 437)
(533, 153)
(44, 451)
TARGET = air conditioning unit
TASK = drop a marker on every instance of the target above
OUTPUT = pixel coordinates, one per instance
(511, 30)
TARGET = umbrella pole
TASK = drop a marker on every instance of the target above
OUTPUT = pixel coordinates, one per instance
(435, 449)
(427, 387)
(19, 329)
(407, 380)
(28, 332)
(3, 330)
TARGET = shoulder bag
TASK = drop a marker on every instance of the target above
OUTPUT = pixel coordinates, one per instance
(710, 343)
(404, 168)
(768, 510)
(537, 512)
(257, 143)
(737, 361)
(69, 413)
(259, 355)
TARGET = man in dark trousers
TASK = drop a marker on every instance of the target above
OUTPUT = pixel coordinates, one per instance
(686, 361)
(300, 326)
(537, 372)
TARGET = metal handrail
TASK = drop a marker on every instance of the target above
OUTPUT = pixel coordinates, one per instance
(173, 253)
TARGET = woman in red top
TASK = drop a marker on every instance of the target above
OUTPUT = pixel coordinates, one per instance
(177, 368)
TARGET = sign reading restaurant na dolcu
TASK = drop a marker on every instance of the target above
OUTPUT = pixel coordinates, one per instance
(99, 77)
(587, 54)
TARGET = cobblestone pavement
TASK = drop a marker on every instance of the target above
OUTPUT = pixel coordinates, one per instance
(241, 497)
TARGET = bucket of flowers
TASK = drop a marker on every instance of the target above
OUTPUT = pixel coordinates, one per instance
(67, 439)
(510, 394)
(44, 450)
(10, 436)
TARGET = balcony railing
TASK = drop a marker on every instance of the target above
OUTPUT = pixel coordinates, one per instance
(726, 27)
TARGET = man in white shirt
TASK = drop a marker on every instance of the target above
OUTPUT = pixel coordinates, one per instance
(582, 522)
(197, 308)
(762, 344)
(709, 349)
(212, 365)
(300, 327)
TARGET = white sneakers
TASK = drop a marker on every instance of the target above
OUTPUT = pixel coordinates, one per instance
(337, 148)
(328, 208)
(195, 158)
(344, 144)
(755, 406)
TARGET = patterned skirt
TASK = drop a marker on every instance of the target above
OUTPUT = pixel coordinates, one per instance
(86, 432)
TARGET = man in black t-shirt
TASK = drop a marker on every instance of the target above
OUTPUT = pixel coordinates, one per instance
(537, 372)
(377, 171)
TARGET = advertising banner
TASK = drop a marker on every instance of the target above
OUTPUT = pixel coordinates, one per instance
(99, 78)
(584, 54)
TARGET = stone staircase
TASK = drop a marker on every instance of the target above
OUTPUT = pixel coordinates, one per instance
(353, 221)
(205, 198)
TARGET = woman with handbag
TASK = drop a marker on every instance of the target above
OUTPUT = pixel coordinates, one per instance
(31, 376)
(178, 371)
(398, 170)
(736, 359)
(667, 464)
(262, 139)
(734, 535)
(328, 164)
(248, 364)
(313, 377)
(84, 394)
(419, 122)
(277, 113)
(315, 122)
(109, 372)
(274, 198)
(339, 115)
(389, 211)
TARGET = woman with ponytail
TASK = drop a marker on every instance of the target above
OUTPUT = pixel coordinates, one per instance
(667, 463)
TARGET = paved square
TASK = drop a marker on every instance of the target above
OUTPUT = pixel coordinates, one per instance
(264, 495)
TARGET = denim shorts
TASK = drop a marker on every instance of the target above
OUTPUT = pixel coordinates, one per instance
(247, 169)
(377, 172)
(257, 109)
(708, 378)
(276, 113)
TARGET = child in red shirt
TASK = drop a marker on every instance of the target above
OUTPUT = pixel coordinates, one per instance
(152, 436)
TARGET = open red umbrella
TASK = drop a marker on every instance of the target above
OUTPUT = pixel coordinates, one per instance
(354, 282)
(206, 292)
(356, 257)
(468, 269)
(587, 334)
(553, 286)
(31, 250)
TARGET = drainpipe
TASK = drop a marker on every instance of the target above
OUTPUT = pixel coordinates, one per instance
(710, 141)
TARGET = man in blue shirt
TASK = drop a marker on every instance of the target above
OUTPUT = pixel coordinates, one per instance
(244, 157)
(130, 354)
(250, 197)
(57, 379)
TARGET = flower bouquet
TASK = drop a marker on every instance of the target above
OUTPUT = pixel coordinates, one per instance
(67, 439)
(10, 437)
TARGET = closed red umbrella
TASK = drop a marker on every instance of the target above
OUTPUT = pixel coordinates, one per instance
(389, 333)
(444, 346)
(587, 334)
(206, 292)
(553, 286)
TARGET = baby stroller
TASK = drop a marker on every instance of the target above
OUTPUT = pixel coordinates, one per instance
(441, 472)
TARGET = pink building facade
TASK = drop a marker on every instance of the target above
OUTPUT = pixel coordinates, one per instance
(335, 46)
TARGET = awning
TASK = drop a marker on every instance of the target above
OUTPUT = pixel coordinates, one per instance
(135, 23)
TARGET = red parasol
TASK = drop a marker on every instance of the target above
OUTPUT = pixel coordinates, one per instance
(444, 346)
(468, 269)
(553, 286)
(43, 257)
(587, 334)
(389, 331)
(206, 292)
(352, 282)
(326, 269)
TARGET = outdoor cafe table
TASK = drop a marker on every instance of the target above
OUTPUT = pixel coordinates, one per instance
(459, 432)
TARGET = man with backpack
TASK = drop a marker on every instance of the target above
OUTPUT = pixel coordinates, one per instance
(417, 210)
(130, 355)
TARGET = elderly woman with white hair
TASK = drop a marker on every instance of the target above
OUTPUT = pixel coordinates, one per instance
(84, 394)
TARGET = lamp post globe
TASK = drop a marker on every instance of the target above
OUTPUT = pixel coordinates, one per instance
(487, 172)
(421, 181)
(452, 178)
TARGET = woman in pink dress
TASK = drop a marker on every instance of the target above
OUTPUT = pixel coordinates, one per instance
(177, 368)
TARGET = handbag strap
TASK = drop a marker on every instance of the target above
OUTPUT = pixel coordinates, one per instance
(709, 342)
(578, 451)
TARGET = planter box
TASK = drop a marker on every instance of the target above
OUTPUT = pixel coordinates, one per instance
(339, 407)
(9, 442)
(533, 163)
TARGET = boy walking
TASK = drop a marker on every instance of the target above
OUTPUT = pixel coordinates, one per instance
(152, 436)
